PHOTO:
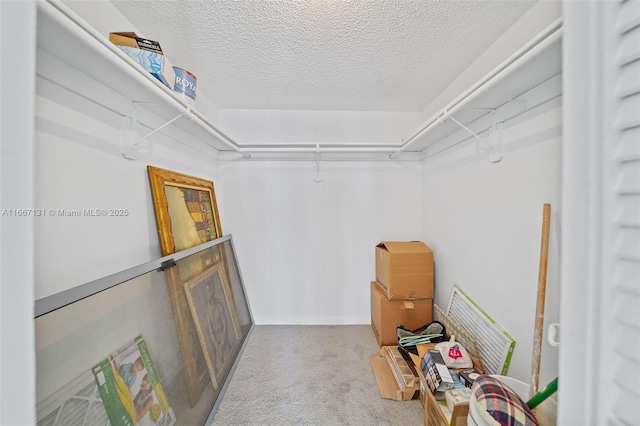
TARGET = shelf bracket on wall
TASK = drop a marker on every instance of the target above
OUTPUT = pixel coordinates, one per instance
(158, 128)
(318, 177)
(130, 144)
(496, 133)
(522, 103)
(127, 138)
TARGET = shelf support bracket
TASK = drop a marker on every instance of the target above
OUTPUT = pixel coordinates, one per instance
(495, 155)
(318, 177)
(130, 145)
(522, 103)
(136, 143)
(127, 136)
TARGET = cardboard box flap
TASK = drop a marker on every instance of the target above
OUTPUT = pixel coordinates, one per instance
(423, 348)
(416, 361)
(131, 39)
(384, 377)
(387, 385)
(404, 247)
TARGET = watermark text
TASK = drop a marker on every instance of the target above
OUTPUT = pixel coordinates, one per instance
(84, 212)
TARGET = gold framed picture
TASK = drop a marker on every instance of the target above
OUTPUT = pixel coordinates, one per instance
(185, 208)
(216, 320)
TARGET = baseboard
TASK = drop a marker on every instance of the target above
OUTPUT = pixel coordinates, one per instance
(313, 321)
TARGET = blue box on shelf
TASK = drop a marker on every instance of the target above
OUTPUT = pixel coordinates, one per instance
(155, 63)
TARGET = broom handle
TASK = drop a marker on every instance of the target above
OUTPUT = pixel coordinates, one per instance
(545, 393)
(542, 288)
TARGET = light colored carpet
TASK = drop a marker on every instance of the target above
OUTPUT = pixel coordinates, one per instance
(310, 375)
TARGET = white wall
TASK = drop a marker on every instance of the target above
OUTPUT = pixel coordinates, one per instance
(291, 127)
(483, 221)
(17, 381)
(306, 249)
(79, 166)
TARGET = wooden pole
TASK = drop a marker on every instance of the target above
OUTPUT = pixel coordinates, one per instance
(542, 288)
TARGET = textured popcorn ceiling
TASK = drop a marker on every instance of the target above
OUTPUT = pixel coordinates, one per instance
(375, 55)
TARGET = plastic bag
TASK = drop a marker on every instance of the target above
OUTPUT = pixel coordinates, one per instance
(454, 354)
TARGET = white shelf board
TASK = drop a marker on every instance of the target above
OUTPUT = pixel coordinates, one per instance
(81, 48)
(529, 74)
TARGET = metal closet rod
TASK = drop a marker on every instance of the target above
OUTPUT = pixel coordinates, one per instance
(323, 157)
(535, 45)
(319, 148)
(80, 28)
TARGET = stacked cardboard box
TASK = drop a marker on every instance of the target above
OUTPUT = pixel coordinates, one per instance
(403, 291)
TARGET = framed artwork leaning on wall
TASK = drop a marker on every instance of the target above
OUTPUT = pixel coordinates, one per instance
(216, 319)
(185, 209)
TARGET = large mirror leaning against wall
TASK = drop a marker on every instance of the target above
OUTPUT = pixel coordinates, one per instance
(151, 345)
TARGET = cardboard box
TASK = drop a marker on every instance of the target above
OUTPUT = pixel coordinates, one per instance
(155, 63)
(131, 39)
(146, 53)
(417, 359)
(405, 269)
(423, 386)
(436, 413)
(457, 397)
(469, 376)
(436, 371)
(387, 314)
(387, 384)
(403, 370)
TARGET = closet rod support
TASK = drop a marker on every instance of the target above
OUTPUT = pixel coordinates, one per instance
(318, 177)
(244, 154)
(495, 156)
